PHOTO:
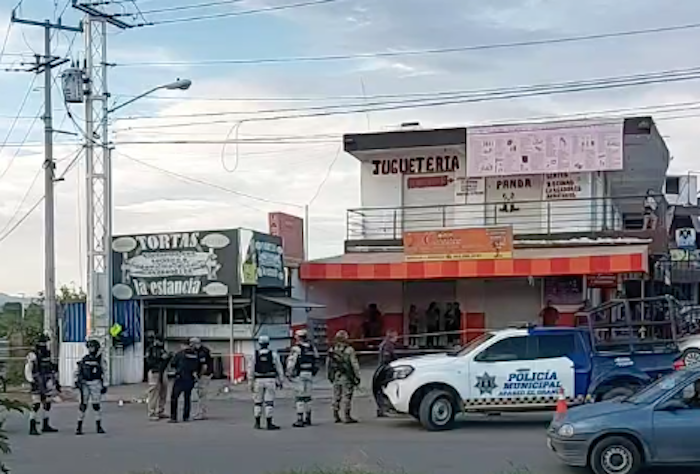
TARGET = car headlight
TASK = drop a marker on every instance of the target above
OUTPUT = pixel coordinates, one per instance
(402, 371)
(566, 431)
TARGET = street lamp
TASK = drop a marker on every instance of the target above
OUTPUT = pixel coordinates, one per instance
(180, 84)
(99, 213)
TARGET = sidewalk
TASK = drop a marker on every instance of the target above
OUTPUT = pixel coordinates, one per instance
(224, 390)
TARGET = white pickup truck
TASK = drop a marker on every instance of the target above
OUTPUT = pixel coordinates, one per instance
(515, 370)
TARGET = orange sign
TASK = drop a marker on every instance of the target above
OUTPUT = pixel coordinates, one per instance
(459, 244)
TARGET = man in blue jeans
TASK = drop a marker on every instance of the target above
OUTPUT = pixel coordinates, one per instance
(186, 365)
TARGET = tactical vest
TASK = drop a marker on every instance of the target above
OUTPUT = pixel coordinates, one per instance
(265, 364)
(91, 368)
(42, 366)
(307, 359)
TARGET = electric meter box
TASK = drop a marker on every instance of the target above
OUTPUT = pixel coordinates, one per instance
(73, 90)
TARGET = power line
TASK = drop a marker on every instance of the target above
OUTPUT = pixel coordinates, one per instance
(190, 7)
(651, 109)
(19, 148)
(423, 52)
(31, 210)
(327, 175)
(207, 183)
(239, 13)
(552, 119)
(505, 94)
(443, 94)
(19, 113)
(6, 40)
(23, 200)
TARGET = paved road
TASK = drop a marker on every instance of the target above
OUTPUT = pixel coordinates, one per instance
(481, 445)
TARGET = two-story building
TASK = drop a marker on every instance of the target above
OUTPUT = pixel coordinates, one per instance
(465, 229)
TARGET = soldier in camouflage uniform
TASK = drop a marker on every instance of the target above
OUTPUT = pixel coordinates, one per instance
(344, 373)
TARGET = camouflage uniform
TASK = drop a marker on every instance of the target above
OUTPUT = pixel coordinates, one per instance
(344, 373)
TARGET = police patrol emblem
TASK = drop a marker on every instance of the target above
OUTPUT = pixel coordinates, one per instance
(486, 384)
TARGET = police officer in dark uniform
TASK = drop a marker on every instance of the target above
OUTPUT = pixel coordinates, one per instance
(89, 379)
(42, 374)
(186, 365)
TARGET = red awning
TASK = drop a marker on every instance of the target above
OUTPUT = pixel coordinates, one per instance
(530, 262)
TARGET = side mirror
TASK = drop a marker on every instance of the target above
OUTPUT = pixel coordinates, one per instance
(673, 405)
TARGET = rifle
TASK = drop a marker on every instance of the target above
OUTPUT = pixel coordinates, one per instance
(345, 367)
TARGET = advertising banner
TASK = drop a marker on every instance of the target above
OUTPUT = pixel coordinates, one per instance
(459, 244)
(262, 261)
(555, 147)
(602, 280)
(175, 264)
(291, 230)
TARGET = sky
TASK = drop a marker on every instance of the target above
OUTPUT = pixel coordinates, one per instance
(286, 161)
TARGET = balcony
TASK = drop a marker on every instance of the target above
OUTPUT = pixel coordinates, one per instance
(551, 219)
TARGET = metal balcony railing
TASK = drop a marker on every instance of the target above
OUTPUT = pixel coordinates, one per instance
(547, 218)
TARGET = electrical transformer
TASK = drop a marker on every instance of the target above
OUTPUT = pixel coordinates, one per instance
(73, 91)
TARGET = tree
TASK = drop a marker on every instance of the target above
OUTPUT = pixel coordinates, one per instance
(71, 294)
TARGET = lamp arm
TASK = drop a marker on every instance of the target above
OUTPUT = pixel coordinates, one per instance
(134, 99)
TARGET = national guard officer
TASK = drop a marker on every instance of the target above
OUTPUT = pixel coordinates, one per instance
(387, 354)
(302, 367)
(42, 374)
(89, 380)
(344, 373)
(204, 376)
(157, 360)
(264, 376)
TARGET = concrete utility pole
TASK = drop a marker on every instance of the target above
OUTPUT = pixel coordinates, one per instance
(98, 176)
(44, 65)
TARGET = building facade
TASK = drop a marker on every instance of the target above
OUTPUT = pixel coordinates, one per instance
(462, 230)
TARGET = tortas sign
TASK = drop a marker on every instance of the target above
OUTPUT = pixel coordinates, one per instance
(175, 264)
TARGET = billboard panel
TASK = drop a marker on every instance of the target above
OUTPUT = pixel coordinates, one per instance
(176, 264)
(556, 147)
(262, 261)
(291, 230)
(459, 244)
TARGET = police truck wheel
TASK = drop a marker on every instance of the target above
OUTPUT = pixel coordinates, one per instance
(437, 411)
(616, 392)
(615, 455)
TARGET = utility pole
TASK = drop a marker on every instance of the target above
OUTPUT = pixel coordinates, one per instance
(98, 176)
(44, 65)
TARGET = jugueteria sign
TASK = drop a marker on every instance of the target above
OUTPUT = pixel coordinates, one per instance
(416, 165)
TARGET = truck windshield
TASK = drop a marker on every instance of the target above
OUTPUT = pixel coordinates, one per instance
(471, 345)
(657, 389)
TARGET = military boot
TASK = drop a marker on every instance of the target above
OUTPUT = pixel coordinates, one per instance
(32, 428)
(98, 424)
(307, 420)
(349, 420)
(46, 428)
(79, 429)
(271, 426)
(300, 421)
(257, 423)
(336, 417)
